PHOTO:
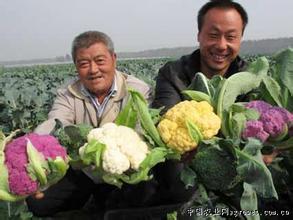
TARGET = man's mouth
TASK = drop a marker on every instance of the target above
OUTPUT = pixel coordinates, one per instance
(219, 57)
(95, 77)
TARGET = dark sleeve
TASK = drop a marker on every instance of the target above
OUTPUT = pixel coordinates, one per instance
(171, 189)
(167, 93)
(132, 196)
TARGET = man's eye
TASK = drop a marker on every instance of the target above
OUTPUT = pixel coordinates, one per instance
(231, 37)
(100, 61)
(213, 36)
(83, 65)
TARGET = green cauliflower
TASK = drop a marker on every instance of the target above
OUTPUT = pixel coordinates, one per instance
(215, 167)
(72, 137)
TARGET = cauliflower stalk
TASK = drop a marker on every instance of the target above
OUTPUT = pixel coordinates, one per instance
(118, 154)
(184, 125)
(29, 163)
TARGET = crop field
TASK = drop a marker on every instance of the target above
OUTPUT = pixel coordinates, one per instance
(27, 93)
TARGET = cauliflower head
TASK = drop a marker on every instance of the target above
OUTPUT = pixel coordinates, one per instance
(124, 147)
(173, 128)
(274, 122)
(32, 162)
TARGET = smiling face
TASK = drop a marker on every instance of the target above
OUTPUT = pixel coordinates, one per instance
(219, 40)
(96, 68)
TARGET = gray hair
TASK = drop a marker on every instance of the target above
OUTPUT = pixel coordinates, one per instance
(88, 38)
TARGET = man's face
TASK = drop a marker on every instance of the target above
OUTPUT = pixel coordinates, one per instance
(219, 40)
(96, 68)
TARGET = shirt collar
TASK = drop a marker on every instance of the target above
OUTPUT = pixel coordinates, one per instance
(112, 92)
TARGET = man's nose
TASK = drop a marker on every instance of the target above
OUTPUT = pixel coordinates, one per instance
(94, 67)
(222, 43)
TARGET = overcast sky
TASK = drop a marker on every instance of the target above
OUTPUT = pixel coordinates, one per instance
(40, 29)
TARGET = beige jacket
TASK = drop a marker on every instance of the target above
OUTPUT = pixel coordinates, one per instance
(72, 107)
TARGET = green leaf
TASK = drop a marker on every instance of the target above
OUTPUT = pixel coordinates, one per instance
(238, 124)
(72, 137)
(37, 165)
(15, 211)
(92, 153)
(2, 146)
(238, 115)
(284, 68)
(252, 168)
(188, 177)
(271, 88)
(241, 83)
(78, 133)
(58, 168)
(155, 114)
(172, 216)
(200, 83)
(248, 201)
(128, 116)
(197, 96)
(214, 84)
(237, 84)
(251, 114)
(5, 140)
(259, 67)
(146, 121)
(156, 156)
(193, 131)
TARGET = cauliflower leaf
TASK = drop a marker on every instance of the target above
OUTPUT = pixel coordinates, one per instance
(37, 164)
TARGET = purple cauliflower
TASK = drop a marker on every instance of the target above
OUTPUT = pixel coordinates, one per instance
(260, 106)
(31, 162)
(254, 128)
(273, 124)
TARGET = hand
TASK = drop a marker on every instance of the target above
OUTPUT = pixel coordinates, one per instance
(38, 195)
(268, 158)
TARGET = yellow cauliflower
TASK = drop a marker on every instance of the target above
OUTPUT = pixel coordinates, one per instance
(173, 126)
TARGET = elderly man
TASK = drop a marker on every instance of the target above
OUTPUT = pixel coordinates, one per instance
(95, 98)
(100, 91)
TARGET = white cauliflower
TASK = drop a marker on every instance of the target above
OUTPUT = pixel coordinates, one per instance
(124, 147)
(114, 161)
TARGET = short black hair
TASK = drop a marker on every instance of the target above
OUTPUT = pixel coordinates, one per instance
(225, 4)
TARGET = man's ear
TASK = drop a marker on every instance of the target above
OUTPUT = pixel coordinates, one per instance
(114, 57)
